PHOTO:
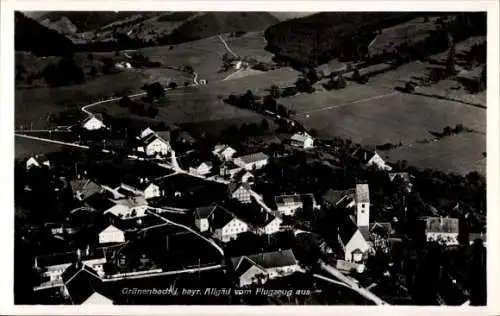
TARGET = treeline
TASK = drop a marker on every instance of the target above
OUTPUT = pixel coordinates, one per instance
(319, 38)
(145, 107)
(256, 103)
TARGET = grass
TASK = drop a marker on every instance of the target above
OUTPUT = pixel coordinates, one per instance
(24, 148)
(250, 45)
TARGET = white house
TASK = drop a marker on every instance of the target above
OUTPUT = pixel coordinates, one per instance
(225, 226)
(302, 140)
(143, 187)
(93, 122)
(123, 65)
(97, 299)
(272, 225)
(240, 191)
(252, 161)
(201, 216)
(371, 158)
(202, 169)
(262, 267)
(37, 161)
(111, 234)
(289, 204)
(154, 143)
(442, 230)
(223, 151)
(362, 200)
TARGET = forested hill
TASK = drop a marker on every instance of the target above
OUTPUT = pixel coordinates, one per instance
(38, 39)
(318, 38)
(213, 23)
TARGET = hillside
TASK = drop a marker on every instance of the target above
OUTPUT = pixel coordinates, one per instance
(213, 23)
(84, 20)
(321, 37)
(33, 37)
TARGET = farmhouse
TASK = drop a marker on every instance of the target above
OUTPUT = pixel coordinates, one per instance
(130, 207)
(51, 267)
(202, 169)
(154, 143)
(37, 161)
(84, 188)
(370, 158)
(141, 186)
(225, 152)
(81, 286)
(111, 234)
(224, 225)
(265, 266)
(259, 221)
(93, 122)
(201, 217)
(288, 204)
(240, 191)
(229, 169)
(252, 161)
(442, 230)
(302, 140)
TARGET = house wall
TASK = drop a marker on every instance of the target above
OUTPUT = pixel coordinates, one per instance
(250, 166)
(249, 276)
(242, 195)
(448, 238)
(289, 208)
(202, 224)
(379, 162)
(152, 191)
(357, 241)
(282, 271)
(55, 272)
(111, 237)
(273, 226)
(93, 124)
(157, 147)
(231, 230)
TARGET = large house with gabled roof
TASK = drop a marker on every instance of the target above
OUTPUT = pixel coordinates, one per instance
(154, 143)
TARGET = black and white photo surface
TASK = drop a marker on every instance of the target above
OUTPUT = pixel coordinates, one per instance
(250, 158)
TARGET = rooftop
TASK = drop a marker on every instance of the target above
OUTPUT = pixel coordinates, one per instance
(363, 154)
(82, 284)
(91, 116)
(441, 225)
(300, 137)
(86, 187)
(253, 157)
(268, 260)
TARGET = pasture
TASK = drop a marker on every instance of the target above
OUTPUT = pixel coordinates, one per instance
(24, 148)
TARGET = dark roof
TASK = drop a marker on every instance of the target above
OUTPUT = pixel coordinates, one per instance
(204, 212)
(441, 225)
(266, 260)
(99, 202)
(253, 214)
(347, 230)
(233, 186)
(383, 229)
(244, 264)
(307, 200)
(82, 284)
(86, 187)
(363, 154)
(137, 182)
(163, 136)
(365, 232)
(56, 259)
(335, 197)
(220, 217)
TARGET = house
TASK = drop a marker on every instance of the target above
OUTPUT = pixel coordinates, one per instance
(442, 229)
(265, 266)
(84, 188)
(223, 151)
(370, 158)
(229, 169)
(404, 177)
(99, 202)
(52, 267)
(260, 221)
(224, 225)
(141, 186)
(93, 122)
(252, 161)
(123, 65)
(270, 225)
(240, 192)
(354, 241)
(339, 198)
(37, 161)
(82, 286)
(348, 267)
(111, 234)
(154, 143)
(130, 207)
(380, 234)
(202, 169)
(302, 140)
(288, 204)
(247, 177)
(201, 216)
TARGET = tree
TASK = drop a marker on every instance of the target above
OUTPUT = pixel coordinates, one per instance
(108, 65)
(152, 112)
(274, 92)
(154, 90)
(451, 60)
(125, 102)
(340, 82)
(312, 76)
(172, 85)
(93, 72)
(186, 84)
(270, 104)
(303, 85)
(90, 57)
(264, 125)
(409, 87)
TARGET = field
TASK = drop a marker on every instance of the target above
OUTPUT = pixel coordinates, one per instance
(24, 148)
(250, 45)
(204, 106)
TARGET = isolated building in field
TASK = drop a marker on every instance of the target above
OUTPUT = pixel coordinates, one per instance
(93, 122)
(225, 152)
(37, 161)
(252, 161)
(111, 234)
(261, 267)
(442, 229)
(371, 158)
(302, 140)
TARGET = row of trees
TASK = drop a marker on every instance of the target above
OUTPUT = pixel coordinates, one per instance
(253, 102)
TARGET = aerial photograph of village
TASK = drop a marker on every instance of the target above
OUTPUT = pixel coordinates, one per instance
(250, 158)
